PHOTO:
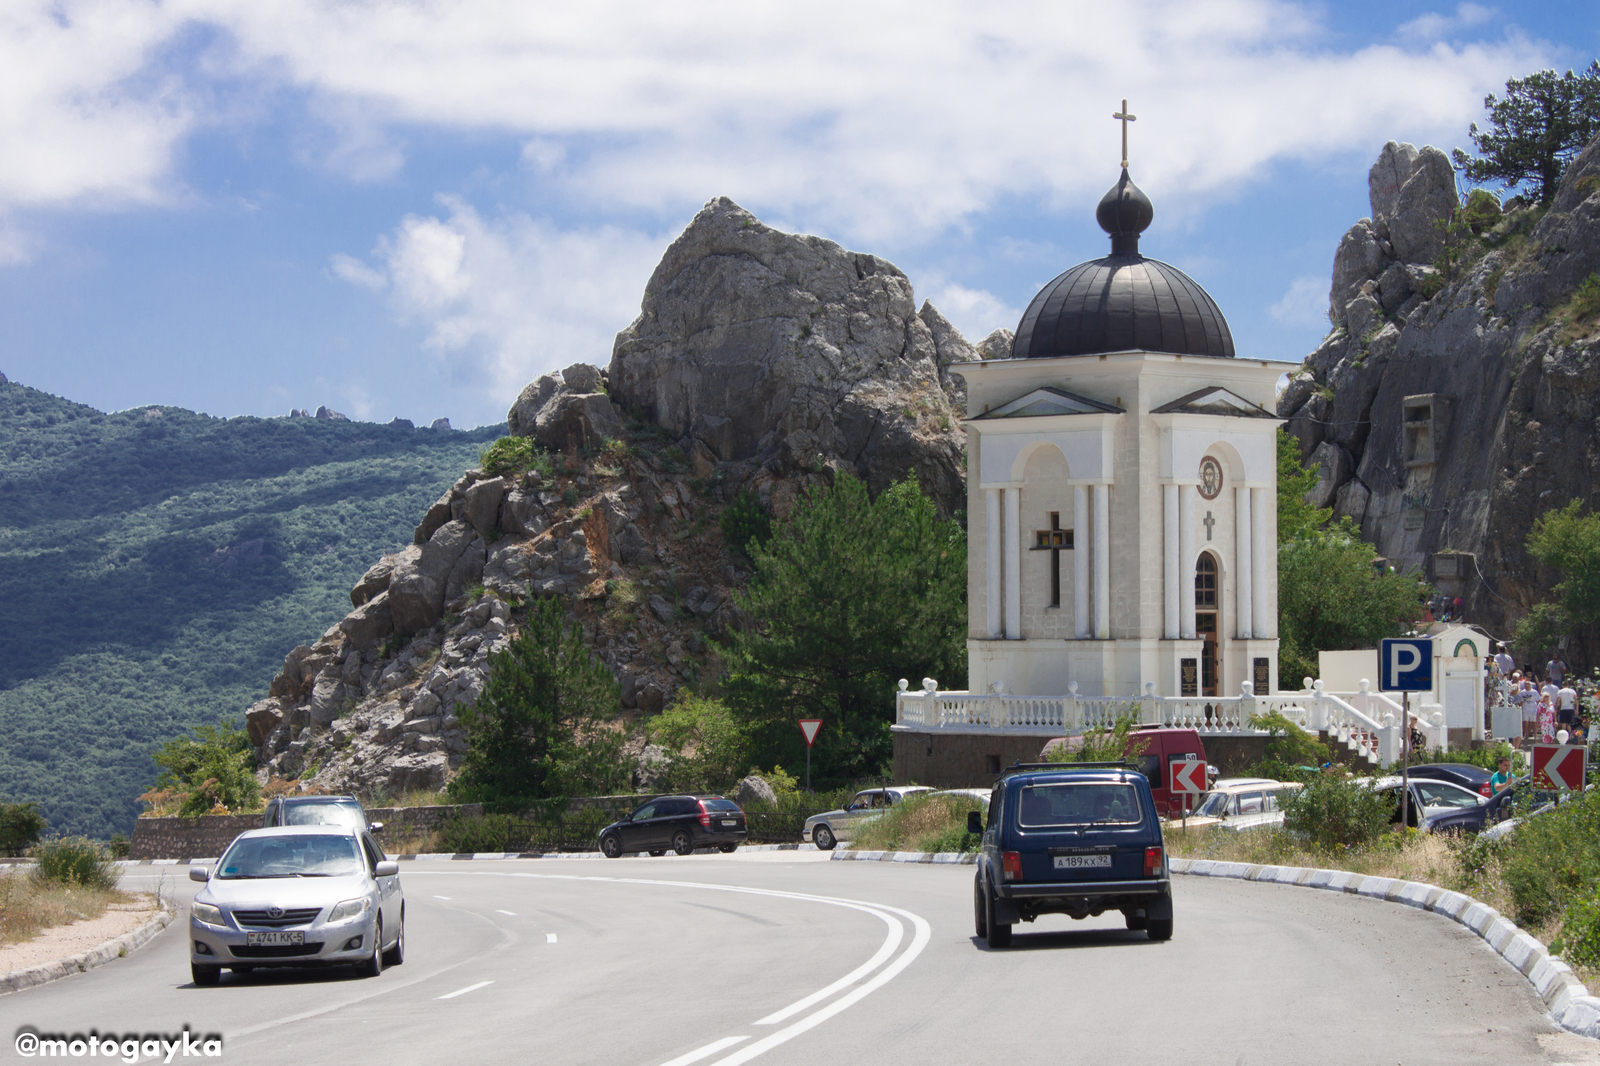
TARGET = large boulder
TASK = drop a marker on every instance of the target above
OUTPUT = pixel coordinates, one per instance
(369, 623)
(418, 772)
(1426, 202)
(525, 411)
(577, 420)
(376, 579)
(754, 789)
(261, 719)
(790, 349)
(483, 504)
(417, 587)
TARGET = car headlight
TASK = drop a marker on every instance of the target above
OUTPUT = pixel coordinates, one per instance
(350, 908)
(205, 912)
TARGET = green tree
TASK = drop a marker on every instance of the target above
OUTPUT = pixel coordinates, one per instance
(21, 826)
(1288, 748)
(214, 766)
(1569, 541)
(541, 729)
(1541, 123)
(708, 744)
(1296, 517)
(848, 595)
(1113, 743)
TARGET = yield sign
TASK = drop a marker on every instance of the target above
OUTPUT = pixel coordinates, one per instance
(809, 727)
(1188, 776)
(1560, 766)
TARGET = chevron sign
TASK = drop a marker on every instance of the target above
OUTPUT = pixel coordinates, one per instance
(1189, 776)
(1562, 766)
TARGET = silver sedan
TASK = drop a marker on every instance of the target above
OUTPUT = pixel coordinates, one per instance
(304, 895)
(828, 828)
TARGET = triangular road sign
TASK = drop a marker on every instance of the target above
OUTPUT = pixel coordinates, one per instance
(809, 727)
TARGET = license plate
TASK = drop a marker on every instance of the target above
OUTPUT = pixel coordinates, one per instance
(729, 821)
(275, 940)
(1076, 862)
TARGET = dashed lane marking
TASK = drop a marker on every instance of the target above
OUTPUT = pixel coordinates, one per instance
(549, 938)
(508, 914)
(464, 991)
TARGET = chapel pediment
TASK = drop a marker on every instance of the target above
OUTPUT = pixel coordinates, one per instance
(1049, 401)
(1213, 401)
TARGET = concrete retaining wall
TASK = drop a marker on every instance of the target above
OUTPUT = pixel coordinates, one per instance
(972, 760)
(207, 836)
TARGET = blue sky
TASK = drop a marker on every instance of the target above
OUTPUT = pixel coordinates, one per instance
(412, 209)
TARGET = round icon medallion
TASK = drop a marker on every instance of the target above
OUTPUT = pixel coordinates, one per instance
(1210, 478)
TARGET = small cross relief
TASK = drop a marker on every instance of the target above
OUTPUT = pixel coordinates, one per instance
(1210, 524)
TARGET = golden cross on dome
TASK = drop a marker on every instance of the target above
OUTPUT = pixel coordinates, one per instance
(1125, 118)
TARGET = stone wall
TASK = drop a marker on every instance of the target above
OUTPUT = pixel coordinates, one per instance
(209, 835)
(973, 760)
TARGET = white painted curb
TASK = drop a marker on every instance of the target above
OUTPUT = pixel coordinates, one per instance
(17, 980)
(942, 858)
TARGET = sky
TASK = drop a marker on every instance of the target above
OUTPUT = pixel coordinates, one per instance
(412, 209)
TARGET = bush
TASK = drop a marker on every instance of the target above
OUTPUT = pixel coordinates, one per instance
(213, 769)
(1579, 942)
(1115, 743)
(21, 825)
(706, 744)
(921, 823)
(76, 861)
(1335, 812)
(1288, 750)
(510, 455)
(746, 521)
(1553, 860)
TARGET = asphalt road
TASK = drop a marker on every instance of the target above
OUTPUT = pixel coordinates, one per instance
(780, 959)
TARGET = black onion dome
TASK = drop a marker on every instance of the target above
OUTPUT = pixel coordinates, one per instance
(1124, 301)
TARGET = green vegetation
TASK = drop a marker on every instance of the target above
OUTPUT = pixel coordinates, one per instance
(1334, 812)
(1552, 860)
(848, 595)
(922, 822)
(541, 729)
(708, 745)
(1543, 121)
(1112, 743)
(1289, 749)
(210, 772)
(1297, 519)
(156, 564)
(1568, 541)
(746, 522)
(21, 826)
(516, 455)
(76, 861)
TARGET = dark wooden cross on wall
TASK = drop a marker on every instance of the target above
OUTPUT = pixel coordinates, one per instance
(1054, 540)
(1125, 118)
(1209, 523)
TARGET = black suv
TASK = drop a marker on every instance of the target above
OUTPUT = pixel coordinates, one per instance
(317, 810)
(1078, 839)
(681, 823)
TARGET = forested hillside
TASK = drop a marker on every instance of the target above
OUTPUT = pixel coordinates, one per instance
(156, 564)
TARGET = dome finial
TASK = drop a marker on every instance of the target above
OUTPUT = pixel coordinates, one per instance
(1124, 117)
(1124, 212)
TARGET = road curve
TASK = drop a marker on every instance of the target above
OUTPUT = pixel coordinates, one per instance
(780, 958)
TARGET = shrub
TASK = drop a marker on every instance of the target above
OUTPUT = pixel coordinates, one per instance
(1553, 860)
(1579, 942)
(921, 823)
(1114, 743)
(213, 768)
(746, 521)
(1335, 812)
(707, 745)
(21, 825)
(509, 455)
(75, 861)
(1289, 748)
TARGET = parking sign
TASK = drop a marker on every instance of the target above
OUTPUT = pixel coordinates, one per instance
(1405, 665)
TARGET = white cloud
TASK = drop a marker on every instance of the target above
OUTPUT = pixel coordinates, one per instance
(507, 299)
(975, 312)
(1304, 304)
(1434, 26)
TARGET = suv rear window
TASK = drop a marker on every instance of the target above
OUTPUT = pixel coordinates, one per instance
(719, 805)
(323, 814)
(1078, 804)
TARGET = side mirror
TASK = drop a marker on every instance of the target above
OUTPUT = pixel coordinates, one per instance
(975, 822)
(199, 873)
(375, 827)
(386, 869)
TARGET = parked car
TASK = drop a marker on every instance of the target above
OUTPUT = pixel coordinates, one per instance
(1239, 804)
(681, 823)
(1430, 799)
(303, 895)
(1157, 746)
(1466, 775)
(317, 810)
(1070, 839)
(1496, 819)
(828, 828)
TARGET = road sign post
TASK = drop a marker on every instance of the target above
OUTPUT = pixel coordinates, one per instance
(1405, 665)
(1561, 766)
(808, 728)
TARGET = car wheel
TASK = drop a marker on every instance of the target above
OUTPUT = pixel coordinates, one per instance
(1161, 929)
(682, 842)
(1135, 920)
(397, 954)
(980, 925)
(611, 846)
(823, 837)
(205, 975)
(658, 854)
(999, 934)
(373, 967)
(727, 849)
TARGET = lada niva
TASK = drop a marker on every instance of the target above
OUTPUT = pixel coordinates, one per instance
(1071, 838)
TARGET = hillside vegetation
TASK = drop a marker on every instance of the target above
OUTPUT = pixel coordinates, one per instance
(155, 565)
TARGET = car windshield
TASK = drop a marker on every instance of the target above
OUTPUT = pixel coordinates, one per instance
(1212, 805)
(1078, 804)
(719, 805)
(291, 856)
(1439, 795)
(323, 814)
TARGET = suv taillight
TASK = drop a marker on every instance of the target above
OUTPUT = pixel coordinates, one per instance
(705, 815)
(1153, 866)
(1011, 864)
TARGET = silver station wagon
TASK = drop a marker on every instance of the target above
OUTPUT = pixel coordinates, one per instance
(302, 895)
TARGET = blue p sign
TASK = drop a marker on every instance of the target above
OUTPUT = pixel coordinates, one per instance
(1405, 665)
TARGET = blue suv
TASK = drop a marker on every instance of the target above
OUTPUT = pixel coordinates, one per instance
(1071, 838)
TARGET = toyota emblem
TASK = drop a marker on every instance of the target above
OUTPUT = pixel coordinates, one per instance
(275, 912)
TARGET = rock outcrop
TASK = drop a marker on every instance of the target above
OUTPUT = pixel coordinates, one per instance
(792, 353)
(1455, 402)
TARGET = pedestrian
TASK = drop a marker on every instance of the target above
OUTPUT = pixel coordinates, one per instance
(1504, 661)
(1566, 706)
(1555, 669)
(1546, 717)
(1502, 780)
(1528, 700)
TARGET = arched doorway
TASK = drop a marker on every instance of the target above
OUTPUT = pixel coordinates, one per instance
(1207, 624)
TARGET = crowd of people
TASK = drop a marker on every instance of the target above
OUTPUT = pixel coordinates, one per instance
(1550, 700)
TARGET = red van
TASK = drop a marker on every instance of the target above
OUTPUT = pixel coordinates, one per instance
(1163, 745)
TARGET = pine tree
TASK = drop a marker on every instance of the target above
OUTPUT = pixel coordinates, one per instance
(1543, 121)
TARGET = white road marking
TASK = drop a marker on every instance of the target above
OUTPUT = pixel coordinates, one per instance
(464, 991)
(706, 1052)
(549, 938)
(441, 897)
(892, 941)
(508, 914)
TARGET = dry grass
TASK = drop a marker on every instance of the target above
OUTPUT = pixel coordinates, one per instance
(28, 905)
(922, 823)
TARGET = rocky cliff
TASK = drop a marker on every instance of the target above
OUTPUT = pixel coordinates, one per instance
(1455, 399)
(762, 361)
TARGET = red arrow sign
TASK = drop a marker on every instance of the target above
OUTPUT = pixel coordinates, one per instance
(1563, 766)
(809, 727)
(1188, 776)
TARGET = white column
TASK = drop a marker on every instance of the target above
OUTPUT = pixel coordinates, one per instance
(1243, 571)
(1169, 555)
(1080, 561)
(1013, 564)
(1102, 562)
(991, 547)
(1186, 561)
(1262, 566)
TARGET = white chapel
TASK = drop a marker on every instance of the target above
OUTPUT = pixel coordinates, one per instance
(1122, 488)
